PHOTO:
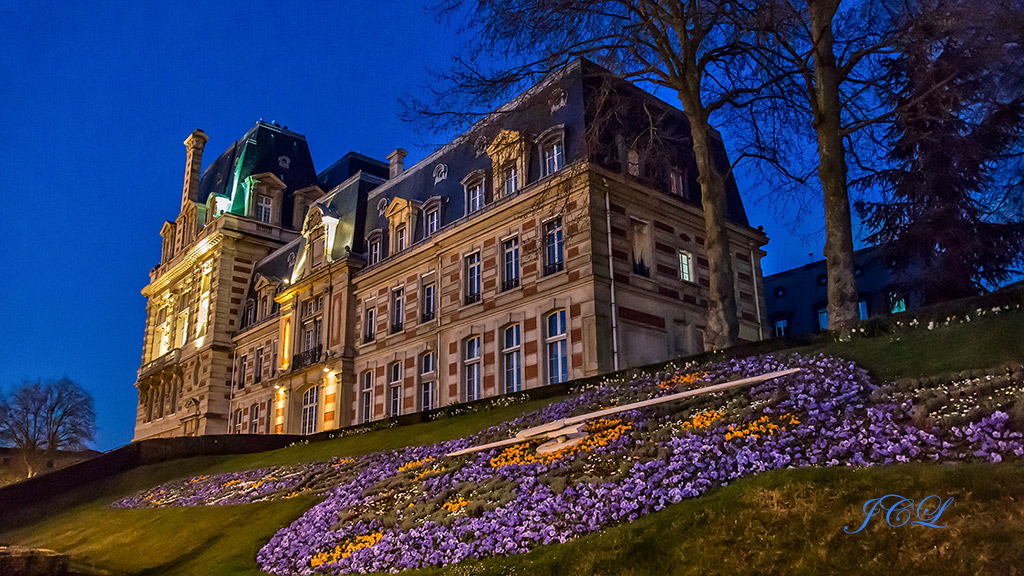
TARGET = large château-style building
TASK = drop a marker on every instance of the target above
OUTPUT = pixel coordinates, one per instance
(560, 237)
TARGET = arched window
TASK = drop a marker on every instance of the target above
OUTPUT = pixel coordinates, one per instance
(556, 341)
(310, 405)
(511, 359)
(471, 368)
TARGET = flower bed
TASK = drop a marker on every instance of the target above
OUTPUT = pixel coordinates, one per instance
(417, 507)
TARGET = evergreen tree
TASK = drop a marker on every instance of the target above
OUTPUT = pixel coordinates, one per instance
(955, 88)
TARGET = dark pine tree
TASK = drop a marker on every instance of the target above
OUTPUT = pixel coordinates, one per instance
(959, 115)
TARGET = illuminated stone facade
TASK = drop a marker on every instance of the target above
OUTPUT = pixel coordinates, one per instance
(539, 247)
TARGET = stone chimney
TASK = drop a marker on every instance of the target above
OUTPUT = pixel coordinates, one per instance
(193, 165)
(396, 160)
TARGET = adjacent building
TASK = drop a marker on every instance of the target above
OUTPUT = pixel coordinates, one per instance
(798, 298)
(560, 237)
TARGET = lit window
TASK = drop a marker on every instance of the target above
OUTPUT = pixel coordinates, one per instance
(473, 278)
(397, 309)
(553, 246)
(428, 302)
(400, 239)
(897, 304)
(510, 179)
(781, 327)
(471, 361)
(510, 359)
(510, 264)
(310, 402)
(475, 196)
(264, 206)
(433, 221)
(558, 348)
(369, 324)
(374, 251)
(685, 266)
(366, 397)
(822, 318)
(552, 157)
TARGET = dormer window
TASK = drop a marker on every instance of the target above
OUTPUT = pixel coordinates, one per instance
(401, 238)
(633, 162)
(433, 221)
(475, 196)
(264, 207)
(551, 156)
(375, 251)
(509, 179)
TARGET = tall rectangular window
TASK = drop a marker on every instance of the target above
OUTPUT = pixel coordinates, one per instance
(428, 302)
(473, 278)
(511, 359)
(510, 179)
(475, 197)
(685, 266)
(264, 206)
(258, 368)
(862, 307)
(273, 359)
(510, 264)
(254, 419)
(397, 309)
(238, 421)
(310, 404)
(241, 372)
(395, 389)
(369, 324)
(558, 348)
(552, 152)
(366, 397)
(471, 368)
(433, 221)
(676, 177)
(641, 248)
(426, 396)
(553, 246)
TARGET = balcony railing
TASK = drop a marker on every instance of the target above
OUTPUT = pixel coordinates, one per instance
(509, 284)
(553, 267)
(427, 316)
(472, 298)
(307, 358)
(160, 363)
(397, 327)
(641, 268)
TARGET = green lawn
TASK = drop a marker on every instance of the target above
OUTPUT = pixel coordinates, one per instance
(786, 522)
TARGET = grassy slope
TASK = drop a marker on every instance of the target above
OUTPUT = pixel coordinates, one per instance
(752, 526)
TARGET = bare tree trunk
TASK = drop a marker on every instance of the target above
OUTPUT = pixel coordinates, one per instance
(723, 324)
(28, 464)
(842, 283)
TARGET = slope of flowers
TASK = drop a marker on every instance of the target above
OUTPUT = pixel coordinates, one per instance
(417, 507)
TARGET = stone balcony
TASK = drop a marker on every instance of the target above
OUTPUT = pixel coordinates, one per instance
(158, 364)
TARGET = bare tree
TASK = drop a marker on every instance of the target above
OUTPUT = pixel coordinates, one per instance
(824, 56)
(683, 46)
(40, 419)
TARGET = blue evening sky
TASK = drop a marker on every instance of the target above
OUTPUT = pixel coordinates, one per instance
(96, 99)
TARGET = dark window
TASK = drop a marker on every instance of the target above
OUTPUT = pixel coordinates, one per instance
(553, 247)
